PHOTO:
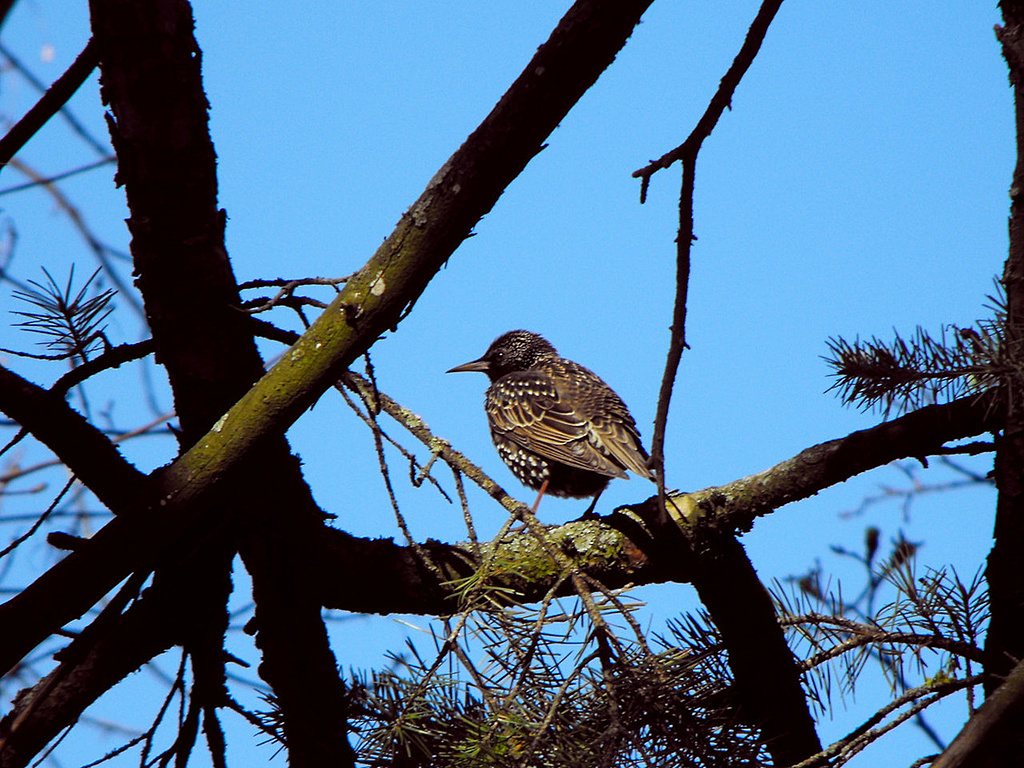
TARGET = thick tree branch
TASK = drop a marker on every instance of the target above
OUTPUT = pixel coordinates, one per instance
(288, 619)
(86, 451)
(918, 434)
(982, 743)
(151, 78)
(376, 299)
(394, 579)
(150, 75)
(630, 548)
(766, 674)
(1004, 571)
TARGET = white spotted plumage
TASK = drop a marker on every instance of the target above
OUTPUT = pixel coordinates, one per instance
(553, 420)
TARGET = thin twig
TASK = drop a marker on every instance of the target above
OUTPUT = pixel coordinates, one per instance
(374, 425)
(117, 437)
(99, 249)
(855, 741)
(38, 523)
(53, 101)
(687, 153)
(722, 99)
(418, 429)
(46, 180)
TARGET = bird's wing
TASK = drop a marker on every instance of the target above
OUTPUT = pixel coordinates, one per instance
(610, 423)
(528, 408)
(622, 440)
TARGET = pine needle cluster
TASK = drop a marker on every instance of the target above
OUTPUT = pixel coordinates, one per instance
(71, 322)
(905, 374)
(535, 702)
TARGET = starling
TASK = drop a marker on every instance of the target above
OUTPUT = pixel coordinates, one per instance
(557, 425)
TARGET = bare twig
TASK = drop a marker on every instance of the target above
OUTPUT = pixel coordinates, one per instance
(47, 180)
(855, 741)
(418, 429)
(687, 153)
(53, 101)
(39, 521)
(117, 437)
(100, 250)
(114, 357)
(864, 634)
(374, 426)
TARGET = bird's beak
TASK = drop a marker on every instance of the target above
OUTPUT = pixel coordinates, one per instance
(481, 365)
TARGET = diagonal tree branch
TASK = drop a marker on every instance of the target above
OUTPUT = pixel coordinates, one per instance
(766, 674)
(51, 102)
(465, 188)
(983, 740)
(86, 451)
(76, 71)
(917, 434)
(630, 548)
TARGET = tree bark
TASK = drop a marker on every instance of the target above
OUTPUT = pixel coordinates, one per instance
(151, 78)
(1004, 643)
(150, 70)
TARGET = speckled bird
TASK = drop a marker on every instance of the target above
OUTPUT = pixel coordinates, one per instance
(557, 425)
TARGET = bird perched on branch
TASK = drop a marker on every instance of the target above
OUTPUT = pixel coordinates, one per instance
(557, 425)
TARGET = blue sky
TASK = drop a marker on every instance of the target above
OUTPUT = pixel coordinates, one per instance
(859, 184)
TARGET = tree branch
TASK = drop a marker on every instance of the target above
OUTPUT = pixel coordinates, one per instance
(376, 299)
(918, 434)
(1005, 639)
(766, 674)
(85, 450)
(151, 78)
(150, 75)
(629, 547)
(991, 733)
(687, 152)
(52, 101)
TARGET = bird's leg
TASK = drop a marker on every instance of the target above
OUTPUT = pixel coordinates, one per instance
(533, 509)
(536, 504)
(589, 514)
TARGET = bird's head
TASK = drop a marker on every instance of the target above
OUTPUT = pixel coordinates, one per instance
(513, 351)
